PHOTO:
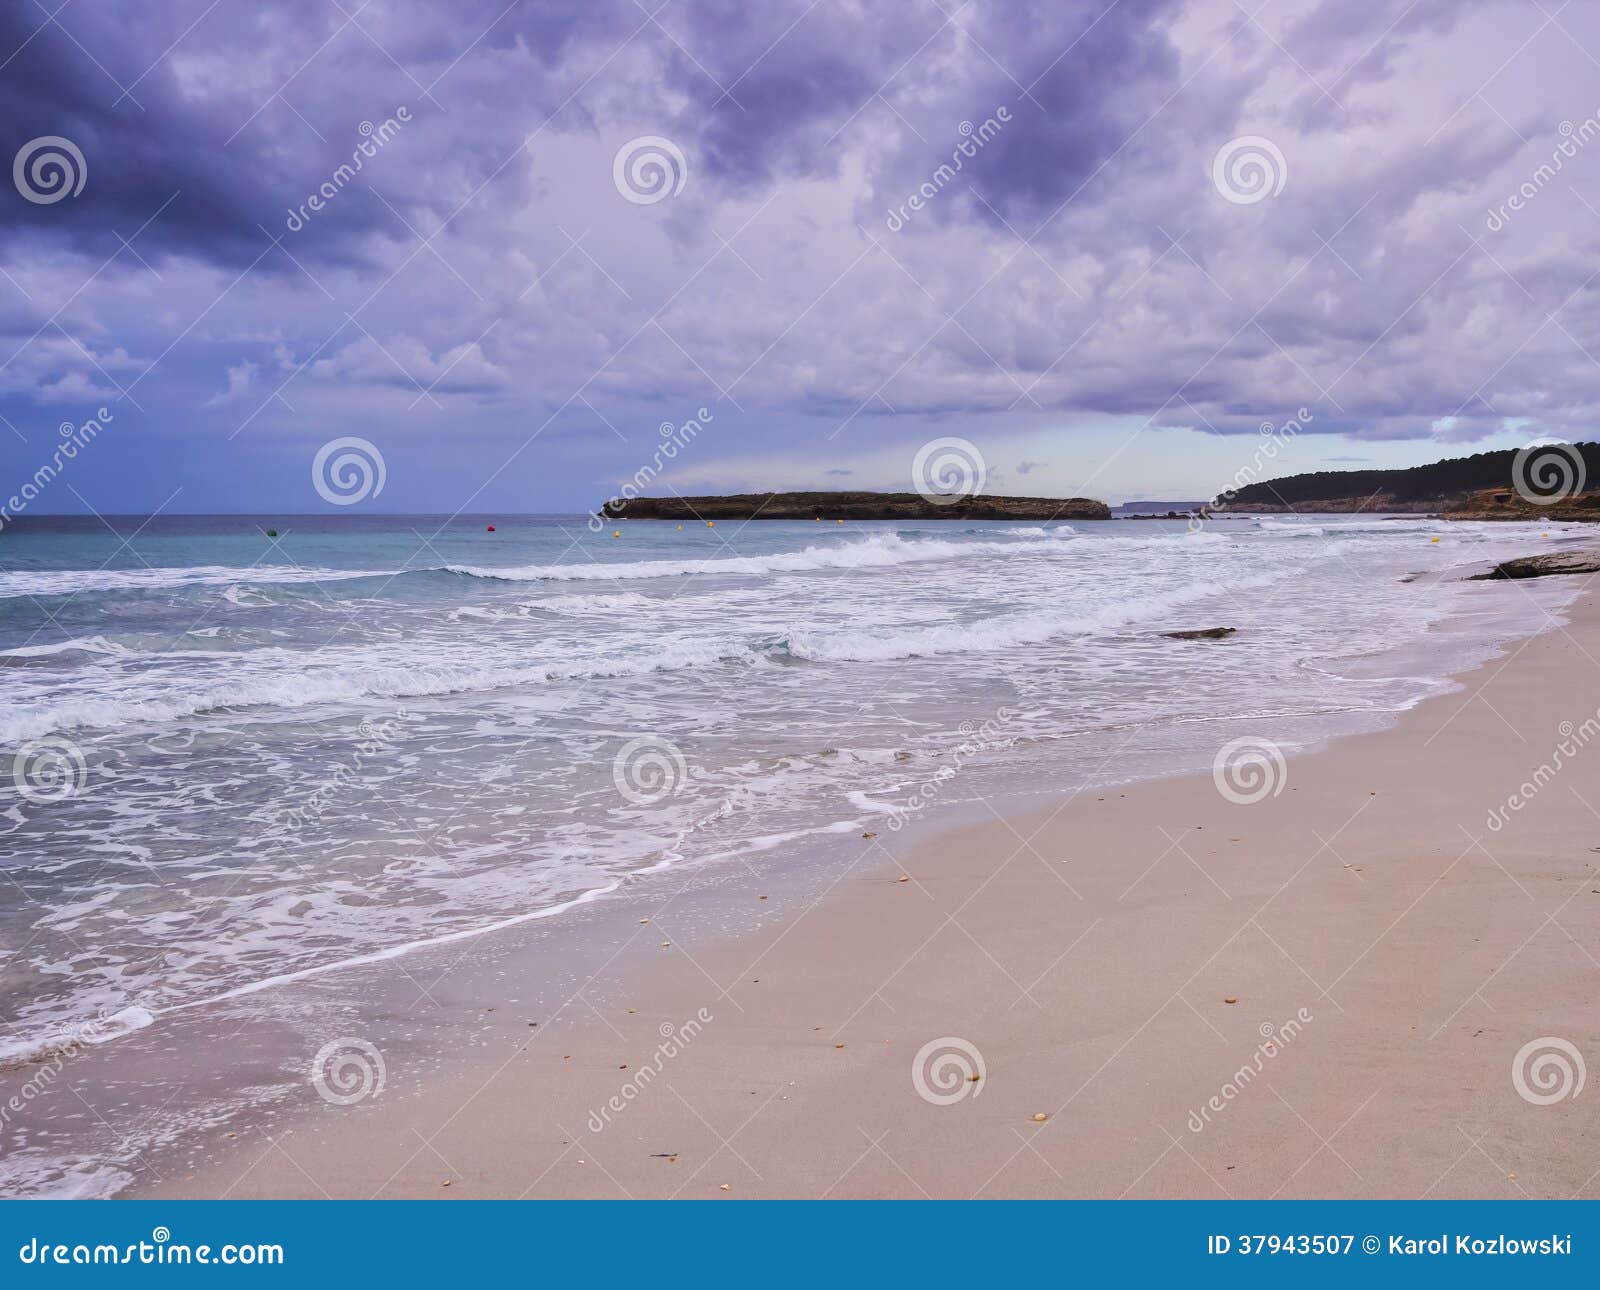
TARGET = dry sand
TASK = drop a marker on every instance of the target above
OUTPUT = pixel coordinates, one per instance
(1115, 959)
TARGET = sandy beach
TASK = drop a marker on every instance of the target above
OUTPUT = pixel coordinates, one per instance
(1322, 993)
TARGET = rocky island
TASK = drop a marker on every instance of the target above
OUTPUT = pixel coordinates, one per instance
(854, 506)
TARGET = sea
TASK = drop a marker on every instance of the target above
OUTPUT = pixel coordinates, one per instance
(241, 751)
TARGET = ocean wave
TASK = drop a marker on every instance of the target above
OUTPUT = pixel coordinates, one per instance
(72, 582)
(297, 685)
(1005, 631)
(878, 551)
(21, 1052)
(287, 679)
(81, 645)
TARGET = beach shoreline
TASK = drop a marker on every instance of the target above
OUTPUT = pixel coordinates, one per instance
(1112, 963)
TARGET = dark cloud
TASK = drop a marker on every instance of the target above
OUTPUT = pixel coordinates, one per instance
(482, 276)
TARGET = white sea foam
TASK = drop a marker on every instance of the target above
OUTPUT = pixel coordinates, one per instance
(1009, 630)
(67, 1040)
(297, 681)
(81, 645)
(72, 582)
(880, 550)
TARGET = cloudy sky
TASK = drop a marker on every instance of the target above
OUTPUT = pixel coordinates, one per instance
(1104, 240)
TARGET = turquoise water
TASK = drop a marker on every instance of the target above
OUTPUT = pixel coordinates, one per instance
(235, 758)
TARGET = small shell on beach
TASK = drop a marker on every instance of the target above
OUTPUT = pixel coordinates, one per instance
(838, 1045)
(1039, 1117)
(723, 1187)
(1230, 1001)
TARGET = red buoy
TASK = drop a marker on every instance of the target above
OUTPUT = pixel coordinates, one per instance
(490, 529)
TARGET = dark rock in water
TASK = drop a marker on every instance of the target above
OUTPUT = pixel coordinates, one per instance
(854, 506)
(1204, 634)
(1542, 566)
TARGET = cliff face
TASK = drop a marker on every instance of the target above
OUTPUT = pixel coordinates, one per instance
(853, 506)
(1505, 504)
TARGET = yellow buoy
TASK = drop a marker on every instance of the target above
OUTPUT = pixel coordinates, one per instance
(680, 528)
(711, 524)
(1433, 539)
(838, 521)
(616, 532)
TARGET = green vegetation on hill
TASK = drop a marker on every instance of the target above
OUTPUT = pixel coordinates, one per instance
(1441, 481)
